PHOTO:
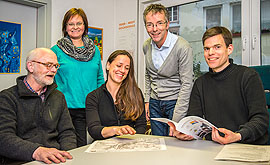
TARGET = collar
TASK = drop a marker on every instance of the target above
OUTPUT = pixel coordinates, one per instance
(225, 72)
(31, 89)
(167, 42)
(24, 91)
(103, 86)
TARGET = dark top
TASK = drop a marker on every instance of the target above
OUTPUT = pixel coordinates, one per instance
(27, 123)
(233, 99)
(101, 112)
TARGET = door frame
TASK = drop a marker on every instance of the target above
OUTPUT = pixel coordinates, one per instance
(251, 34)
(44, 9)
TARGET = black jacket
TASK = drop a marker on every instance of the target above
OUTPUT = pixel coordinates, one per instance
(101, 112)
(27, 123)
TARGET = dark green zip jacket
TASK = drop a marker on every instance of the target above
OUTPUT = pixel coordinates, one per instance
(27, 123)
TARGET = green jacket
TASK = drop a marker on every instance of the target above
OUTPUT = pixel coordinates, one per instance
(27, 123)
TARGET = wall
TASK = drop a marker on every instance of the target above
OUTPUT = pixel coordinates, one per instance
(126, 28)
(106, 14)
(26, 16)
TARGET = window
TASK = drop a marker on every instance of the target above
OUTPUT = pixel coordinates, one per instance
(213, 16)
(265, 32)
(265, 16)
(173, 13)
(236, 19)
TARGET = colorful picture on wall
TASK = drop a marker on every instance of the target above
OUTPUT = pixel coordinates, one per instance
(10, 47)
(96, 34)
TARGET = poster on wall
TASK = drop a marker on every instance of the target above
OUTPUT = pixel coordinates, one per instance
(126, 36)
(96, 34)
(10, 47)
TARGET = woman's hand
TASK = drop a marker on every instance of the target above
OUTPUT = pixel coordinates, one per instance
(117, 130)
(123, 130)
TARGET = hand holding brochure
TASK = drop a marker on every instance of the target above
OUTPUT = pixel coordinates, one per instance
(191, 125)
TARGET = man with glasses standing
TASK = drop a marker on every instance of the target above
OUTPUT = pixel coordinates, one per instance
(169, 70)
(34, 120)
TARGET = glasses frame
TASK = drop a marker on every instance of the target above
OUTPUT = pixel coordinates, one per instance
(48, 65)
(78, 24)
(150, 25)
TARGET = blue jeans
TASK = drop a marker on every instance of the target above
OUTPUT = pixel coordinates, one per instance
(164, 109)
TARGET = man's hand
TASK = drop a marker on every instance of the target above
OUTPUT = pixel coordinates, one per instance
(229, 137)
(49, 155)
(177, 134)
(147, 113)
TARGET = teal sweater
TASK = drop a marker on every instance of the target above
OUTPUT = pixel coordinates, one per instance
(75, 79)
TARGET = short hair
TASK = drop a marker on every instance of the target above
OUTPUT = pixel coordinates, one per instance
(226, 34)
(33, 53)
(72, 12)
(156, 8)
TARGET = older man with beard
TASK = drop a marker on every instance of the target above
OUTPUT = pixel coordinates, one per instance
(34, 121)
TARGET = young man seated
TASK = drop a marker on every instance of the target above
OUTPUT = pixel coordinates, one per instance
(230, 96)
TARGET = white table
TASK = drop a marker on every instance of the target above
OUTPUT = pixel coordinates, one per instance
(196, 152)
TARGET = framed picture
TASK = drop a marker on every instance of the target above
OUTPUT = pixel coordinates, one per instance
(96, 34)
(10, 47)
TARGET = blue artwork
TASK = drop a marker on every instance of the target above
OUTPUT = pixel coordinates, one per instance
(96, 34)
(10, 47)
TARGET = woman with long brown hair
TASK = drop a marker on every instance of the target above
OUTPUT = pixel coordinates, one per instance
(117, 107)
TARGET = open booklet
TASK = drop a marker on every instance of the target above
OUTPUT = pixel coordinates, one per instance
(191, 125)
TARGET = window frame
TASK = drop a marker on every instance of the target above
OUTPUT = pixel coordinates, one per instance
(171, 14)
(205, 11)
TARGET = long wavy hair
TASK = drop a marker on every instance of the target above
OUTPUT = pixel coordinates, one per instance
(129, 96)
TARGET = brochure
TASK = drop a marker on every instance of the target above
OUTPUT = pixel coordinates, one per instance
(191, 125)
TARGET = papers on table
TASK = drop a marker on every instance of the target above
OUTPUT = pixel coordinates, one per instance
(245, 152)
(127, 144)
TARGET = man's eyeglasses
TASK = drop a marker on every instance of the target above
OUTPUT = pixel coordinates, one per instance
(73, 25)
(49, 65)
(160, 24)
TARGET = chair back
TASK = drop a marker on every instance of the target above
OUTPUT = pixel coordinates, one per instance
(264, 72)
